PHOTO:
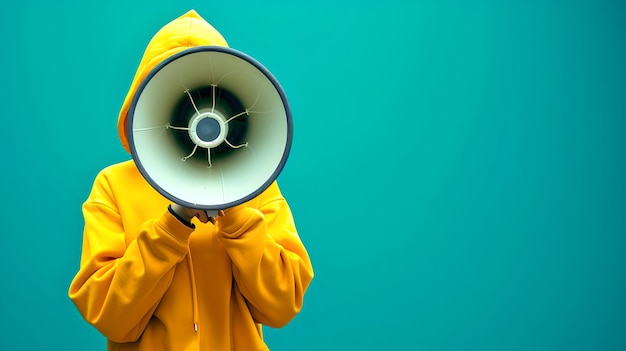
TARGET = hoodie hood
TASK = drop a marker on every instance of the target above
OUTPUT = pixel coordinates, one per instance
(186, 31)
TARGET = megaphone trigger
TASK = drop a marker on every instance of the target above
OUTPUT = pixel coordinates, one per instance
(211, 213)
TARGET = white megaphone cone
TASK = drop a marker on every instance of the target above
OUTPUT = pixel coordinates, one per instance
(210, 128)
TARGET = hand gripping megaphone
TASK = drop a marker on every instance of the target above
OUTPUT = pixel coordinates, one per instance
(210, 128)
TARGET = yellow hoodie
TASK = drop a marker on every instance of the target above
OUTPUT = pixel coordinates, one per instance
(147, 281)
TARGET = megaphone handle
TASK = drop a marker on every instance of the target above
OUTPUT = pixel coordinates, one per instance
(211, 213)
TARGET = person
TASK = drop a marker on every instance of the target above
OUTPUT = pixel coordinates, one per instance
(158, 276)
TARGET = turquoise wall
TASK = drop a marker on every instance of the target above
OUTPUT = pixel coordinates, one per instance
(457, 174)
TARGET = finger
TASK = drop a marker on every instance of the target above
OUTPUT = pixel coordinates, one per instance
(221, 213)
(202, 216)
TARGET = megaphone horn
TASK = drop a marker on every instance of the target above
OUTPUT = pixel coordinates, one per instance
(210, 128)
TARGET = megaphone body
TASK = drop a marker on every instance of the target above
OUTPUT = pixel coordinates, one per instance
(210, 128)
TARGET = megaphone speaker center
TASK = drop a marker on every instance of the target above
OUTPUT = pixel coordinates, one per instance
(208, 129)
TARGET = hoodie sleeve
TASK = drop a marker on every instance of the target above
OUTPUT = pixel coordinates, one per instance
(270, 264)
(119, 285)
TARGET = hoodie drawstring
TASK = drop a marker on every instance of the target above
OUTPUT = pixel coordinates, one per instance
(194, 296)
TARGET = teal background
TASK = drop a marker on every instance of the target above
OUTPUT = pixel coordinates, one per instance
(457, 171)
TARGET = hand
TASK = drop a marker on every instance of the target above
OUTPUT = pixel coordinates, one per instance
(189, 213)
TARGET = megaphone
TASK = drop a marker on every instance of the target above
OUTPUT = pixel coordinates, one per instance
(210, 128)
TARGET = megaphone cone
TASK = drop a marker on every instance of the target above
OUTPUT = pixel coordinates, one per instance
(210, 128)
